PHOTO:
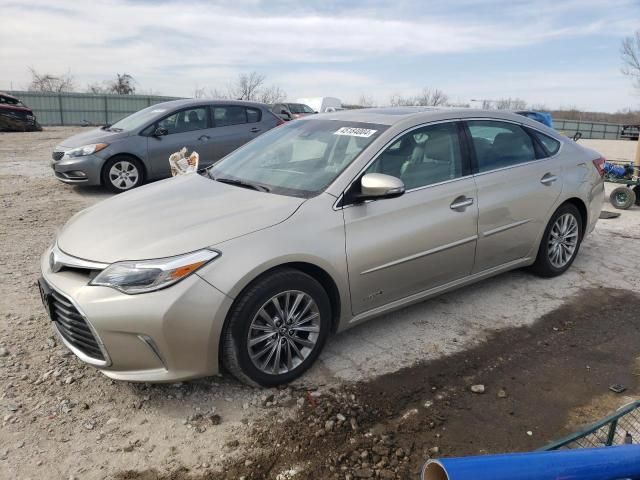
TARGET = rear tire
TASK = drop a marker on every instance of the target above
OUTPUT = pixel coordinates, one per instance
(122, 173)
(276, 328)
(622, 198)
(560, 243)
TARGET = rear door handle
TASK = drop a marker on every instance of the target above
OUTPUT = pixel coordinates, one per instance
(548, 179)
(254, 130)
(204, 138)
(461, 203)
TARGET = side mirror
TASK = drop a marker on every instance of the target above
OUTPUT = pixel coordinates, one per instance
(160, 132)
(577, 136)
(376, 186)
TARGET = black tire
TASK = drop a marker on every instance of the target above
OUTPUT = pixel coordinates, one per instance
(543, 266)
(122, 185)
(622, 198)
(234, 343)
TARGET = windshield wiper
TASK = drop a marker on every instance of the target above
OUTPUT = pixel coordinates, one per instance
(240, 183)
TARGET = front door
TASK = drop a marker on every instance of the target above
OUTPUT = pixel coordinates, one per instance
(185, 128)
(422, 239)
(517, 187)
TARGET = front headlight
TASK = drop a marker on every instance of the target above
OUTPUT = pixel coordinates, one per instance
(149, 275)
(86, 150)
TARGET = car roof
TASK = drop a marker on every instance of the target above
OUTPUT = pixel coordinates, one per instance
(400, 115)
(186, 102)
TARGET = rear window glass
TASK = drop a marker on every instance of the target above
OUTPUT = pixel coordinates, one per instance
(229, 115)
(551, 144)
(253, 115)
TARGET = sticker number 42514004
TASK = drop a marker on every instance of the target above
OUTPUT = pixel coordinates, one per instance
(355, 132)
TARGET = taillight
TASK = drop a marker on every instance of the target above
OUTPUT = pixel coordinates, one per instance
(279, 122)
(599, 164)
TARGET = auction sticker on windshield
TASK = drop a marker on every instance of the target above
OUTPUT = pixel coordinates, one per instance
(355, 132)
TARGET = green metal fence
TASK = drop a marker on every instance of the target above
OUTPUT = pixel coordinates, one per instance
(608, 131)
(84, 108)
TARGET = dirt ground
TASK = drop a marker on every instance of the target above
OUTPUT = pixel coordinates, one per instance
(383, 397)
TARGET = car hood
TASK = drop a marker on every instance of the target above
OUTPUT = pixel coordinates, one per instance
(95, 135)
(171, 217)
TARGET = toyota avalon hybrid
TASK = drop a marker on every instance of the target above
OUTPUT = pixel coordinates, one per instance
(312, 228)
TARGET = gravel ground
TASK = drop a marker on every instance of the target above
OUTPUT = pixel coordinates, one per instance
(60, 418)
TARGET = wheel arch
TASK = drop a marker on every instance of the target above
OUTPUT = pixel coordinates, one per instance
(314, 271)
(582, 208)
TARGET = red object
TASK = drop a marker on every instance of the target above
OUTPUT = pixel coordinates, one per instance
(599, 164)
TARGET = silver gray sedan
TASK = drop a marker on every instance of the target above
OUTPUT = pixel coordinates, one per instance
(136, 149)
(312, 228)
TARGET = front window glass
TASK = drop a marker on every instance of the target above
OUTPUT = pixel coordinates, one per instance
(139, 119)
(422, 157)
(500, 144)
(185, 121)
(300, 158)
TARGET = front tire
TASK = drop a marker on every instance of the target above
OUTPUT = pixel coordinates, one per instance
(276, 328)
(122, 173)
(560, 243)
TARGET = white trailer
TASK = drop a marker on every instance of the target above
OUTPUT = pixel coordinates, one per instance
(322, 104)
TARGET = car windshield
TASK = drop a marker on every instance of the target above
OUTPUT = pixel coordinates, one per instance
(139, 119)
(299, 108)
(300, 158)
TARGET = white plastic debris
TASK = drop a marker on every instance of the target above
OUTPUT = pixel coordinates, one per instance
(183, 165)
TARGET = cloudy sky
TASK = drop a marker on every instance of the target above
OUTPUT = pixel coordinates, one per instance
(555, 52)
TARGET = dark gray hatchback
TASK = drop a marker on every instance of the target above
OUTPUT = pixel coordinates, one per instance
(136, 149)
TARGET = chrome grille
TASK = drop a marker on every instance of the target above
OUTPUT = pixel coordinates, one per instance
(57, 155)
(73, 327)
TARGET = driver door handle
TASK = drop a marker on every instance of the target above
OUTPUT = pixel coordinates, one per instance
(204, 138)
(460, 203)
(548, 179)
(254, 130)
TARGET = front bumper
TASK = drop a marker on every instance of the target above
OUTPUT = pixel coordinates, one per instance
(83, 170)
(164, 336)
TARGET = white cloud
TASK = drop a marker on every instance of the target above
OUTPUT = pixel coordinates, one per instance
(173, 46)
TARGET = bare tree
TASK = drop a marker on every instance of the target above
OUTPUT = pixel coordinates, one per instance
(97, 88)
(46, 82)
(397, 100)
(510, 104)
(272, 94)
(219, 95)
(366, 101)
(427, 98)
(247, 86)
(431, 98)
(630, 52)
(199, 92)
(123, 84)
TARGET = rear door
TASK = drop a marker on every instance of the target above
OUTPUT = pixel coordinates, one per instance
(185, 128)
(518, 183)
(425, 238)
(234, 125)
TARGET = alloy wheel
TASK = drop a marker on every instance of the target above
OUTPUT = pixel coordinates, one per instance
(283, 332)
(563, 240)
(124, 175)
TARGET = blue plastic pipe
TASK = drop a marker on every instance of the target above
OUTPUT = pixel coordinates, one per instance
(608, 463)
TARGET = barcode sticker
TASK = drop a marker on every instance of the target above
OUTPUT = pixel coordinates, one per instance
(355, 132)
